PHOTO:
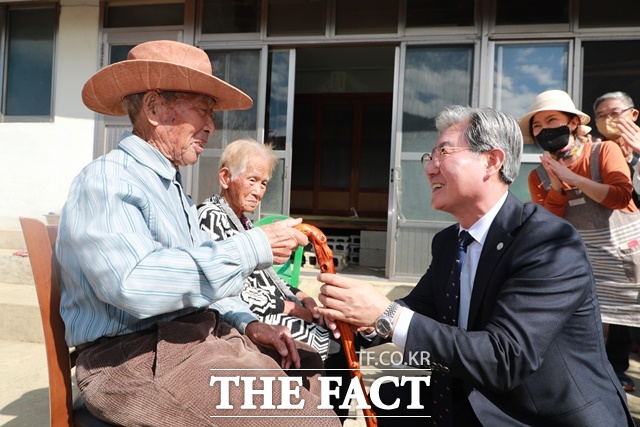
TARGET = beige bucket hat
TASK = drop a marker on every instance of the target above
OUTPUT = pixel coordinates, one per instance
(551, 100)
(162, 64)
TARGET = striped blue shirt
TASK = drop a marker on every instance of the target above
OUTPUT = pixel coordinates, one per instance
(131, 251)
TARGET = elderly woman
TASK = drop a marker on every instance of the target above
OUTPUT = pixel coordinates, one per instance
(245, 169)
(589, 185)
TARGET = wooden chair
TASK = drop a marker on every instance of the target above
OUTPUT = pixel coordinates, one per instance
(40, 239)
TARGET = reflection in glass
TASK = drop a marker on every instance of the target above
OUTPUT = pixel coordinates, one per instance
(527, 12)
(613, 13)
(239, 68)
(434, 78)
(296, 17)
(524, 70)
(230, 16)
(438, 13)
(277, 94)
(366, 17)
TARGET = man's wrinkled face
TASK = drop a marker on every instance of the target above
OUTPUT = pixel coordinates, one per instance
(184, 127)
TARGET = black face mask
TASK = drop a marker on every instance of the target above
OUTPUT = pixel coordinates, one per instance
(553, 139)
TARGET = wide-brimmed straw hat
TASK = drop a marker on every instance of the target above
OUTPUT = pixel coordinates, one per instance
(165, 65)
(551, 100)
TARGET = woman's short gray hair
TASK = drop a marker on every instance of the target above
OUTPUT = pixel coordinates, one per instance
(236, 155)
(487, 129)
(626, 99)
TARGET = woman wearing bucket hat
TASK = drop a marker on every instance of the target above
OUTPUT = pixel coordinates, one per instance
(589, 185)
(138, 276)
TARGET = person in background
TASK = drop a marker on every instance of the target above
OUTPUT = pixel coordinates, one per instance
(507, 309)
(616, 120)
(138, 276)
(589, 185)
(616, 116)
(244, 170)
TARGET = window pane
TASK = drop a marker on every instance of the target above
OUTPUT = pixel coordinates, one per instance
(434, 78)
(608, 67)
(366, 16)
(277, 92)
(30, 62)
(615, 13)
(239, 68)
(437, 13)
(119, 53)
(230, 16)
(520, 187)
(147, 15)
(208, 183)
(509, 12)
(296, 17)
(524, 70)
(272, 200)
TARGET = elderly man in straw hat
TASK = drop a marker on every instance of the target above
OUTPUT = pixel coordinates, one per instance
(139, 277)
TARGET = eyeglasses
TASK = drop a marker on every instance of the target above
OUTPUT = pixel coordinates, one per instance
(438, 154)
(612, 115)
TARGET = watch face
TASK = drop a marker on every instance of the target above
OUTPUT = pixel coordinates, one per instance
(383, 326)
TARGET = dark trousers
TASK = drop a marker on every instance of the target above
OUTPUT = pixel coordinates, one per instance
(463, 413)
(618, 347)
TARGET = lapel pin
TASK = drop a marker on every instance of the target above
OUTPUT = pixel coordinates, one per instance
(500, 246)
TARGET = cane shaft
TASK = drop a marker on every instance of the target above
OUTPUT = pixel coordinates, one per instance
(324, 256)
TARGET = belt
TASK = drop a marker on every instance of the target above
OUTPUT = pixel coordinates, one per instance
(103, 340)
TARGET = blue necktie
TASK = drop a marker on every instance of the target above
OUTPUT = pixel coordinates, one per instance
(441, 384)
(453, 286)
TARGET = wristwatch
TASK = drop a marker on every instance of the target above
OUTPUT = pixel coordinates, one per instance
(384, 324)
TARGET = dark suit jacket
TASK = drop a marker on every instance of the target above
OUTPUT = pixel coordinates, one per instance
(534, 352)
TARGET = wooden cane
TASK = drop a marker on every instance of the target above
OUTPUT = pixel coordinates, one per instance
(324, 255)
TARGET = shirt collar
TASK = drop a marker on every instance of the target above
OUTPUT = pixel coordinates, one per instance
(480, 229)
(147, 155)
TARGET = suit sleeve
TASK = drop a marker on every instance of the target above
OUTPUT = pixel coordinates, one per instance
(538, 285)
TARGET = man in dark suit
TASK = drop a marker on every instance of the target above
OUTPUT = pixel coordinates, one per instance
(514, 335)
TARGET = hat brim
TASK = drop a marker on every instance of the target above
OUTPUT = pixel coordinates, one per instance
(524, 121)
(105, 90)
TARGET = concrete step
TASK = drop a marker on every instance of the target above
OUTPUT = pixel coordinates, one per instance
(19, 314)
(11, 238)
(15, 269)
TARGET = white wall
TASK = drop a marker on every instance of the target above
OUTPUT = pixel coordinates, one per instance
(40, 159)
